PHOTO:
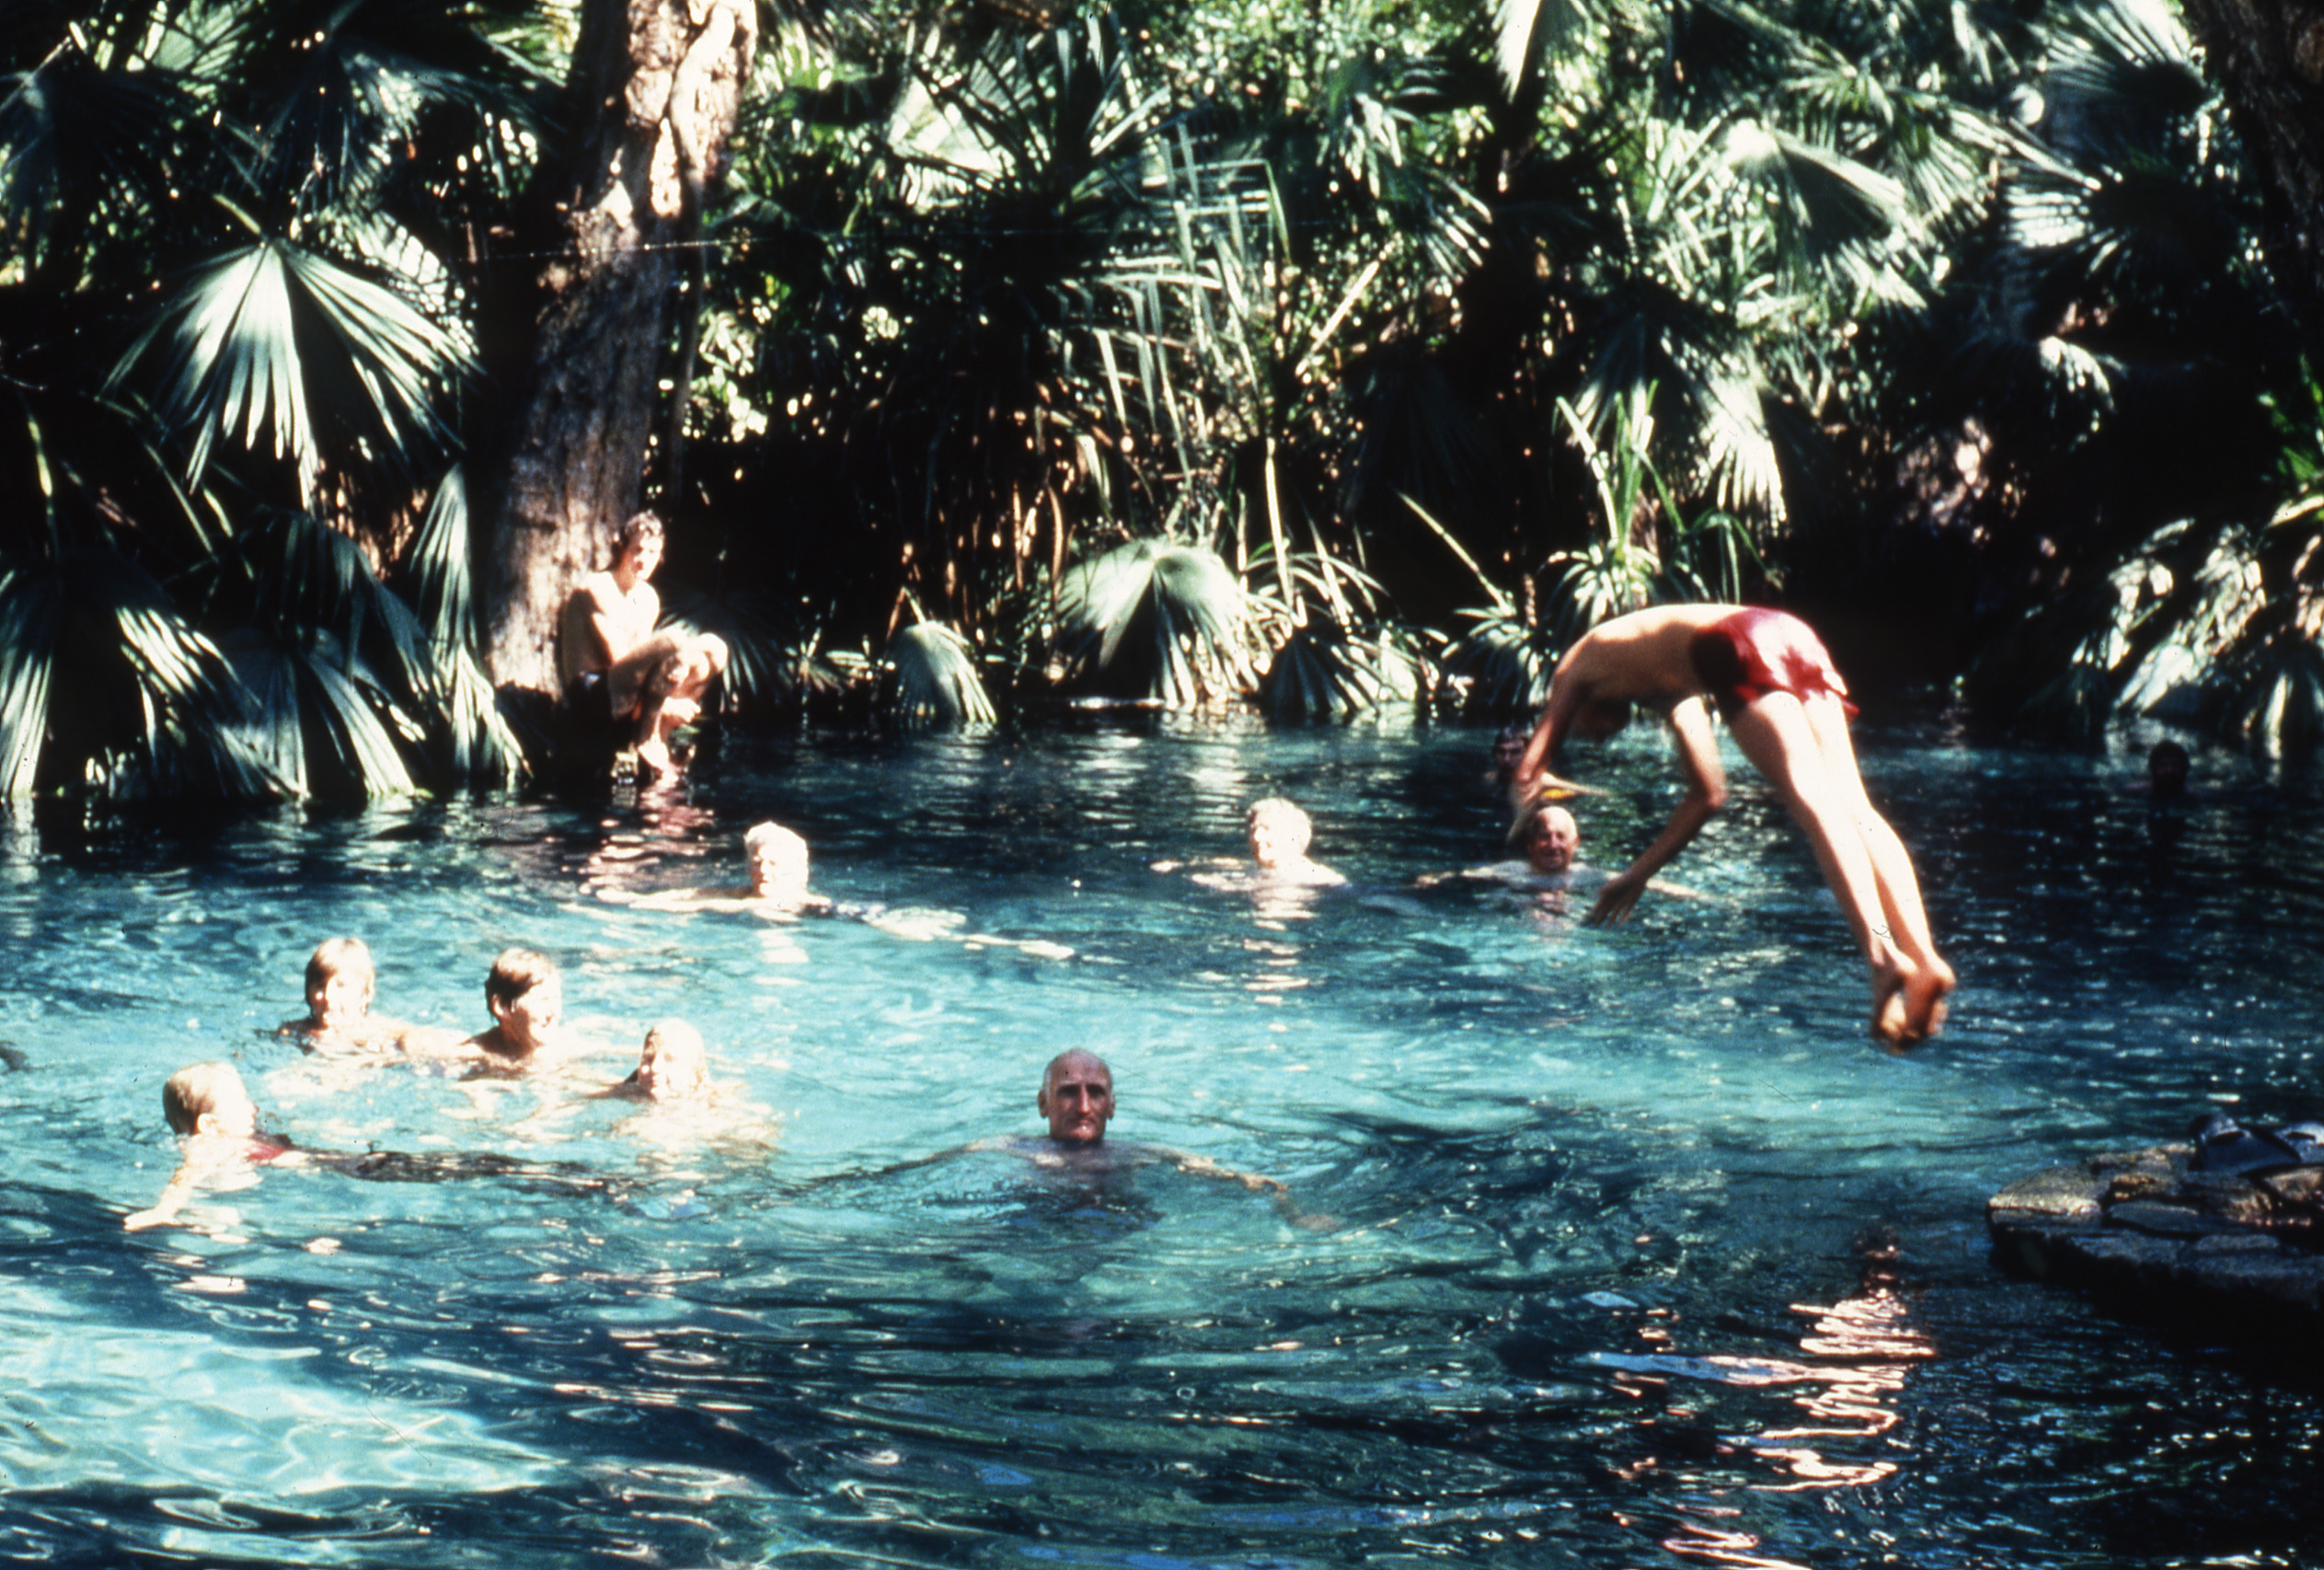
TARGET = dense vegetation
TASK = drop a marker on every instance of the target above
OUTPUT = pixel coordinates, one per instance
(1316, 353)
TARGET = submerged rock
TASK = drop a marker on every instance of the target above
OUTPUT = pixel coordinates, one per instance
(2242, 1254)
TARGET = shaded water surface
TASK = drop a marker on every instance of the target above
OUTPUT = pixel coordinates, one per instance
(1625, 1248)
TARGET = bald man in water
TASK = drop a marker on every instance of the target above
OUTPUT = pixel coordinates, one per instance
(1076, 1098)
(1077, 1102)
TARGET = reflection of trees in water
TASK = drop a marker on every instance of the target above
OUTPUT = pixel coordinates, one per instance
(1859, 1354)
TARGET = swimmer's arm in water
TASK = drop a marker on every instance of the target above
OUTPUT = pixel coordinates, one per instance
(439, 1043)
(1213, 863)
(181, 1187)
(997, 1142)
(1706, 793)
(1275, 1189)
(213, 1168)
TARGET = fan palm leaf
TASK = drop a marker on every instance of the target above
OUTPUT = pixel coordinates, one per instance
(362, 673)
(288, 352)
(935, 677)
(1325, 668)
(441, 564)
(339, 95)
(321, 719)
(31, 609)
(1526, 31)
(1503, 664)
(153, 703)
(1156, 620)
(86, 150)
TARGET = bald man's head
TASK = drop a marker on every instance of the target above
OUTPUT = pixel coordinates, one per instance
(1076, 1097)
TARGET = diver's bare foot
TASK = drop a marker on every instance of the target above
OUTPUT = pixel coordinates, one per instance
(654, 762)
(1925, 995)
(1891, 1015)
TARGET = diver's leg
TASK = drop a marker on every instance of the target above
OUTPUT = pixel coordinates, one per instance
(1775, 732)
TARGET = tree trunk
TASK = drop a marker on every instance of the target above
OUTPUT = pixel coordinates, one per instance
(2268, 58)
(649, 105)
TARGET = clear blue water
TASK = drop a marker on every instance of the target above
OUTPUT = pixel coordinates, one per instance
(1643, 1253)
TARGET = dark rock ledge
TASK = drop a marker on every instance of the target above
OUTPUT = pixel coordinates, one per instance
(2237, 1255)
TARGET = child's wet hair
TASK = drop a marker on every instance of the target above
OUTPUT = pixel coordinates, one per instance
(337, 956)
(194, 1089)
(516, 972)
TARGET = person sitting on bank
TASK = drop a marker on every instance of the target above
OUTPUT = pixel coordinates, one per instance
(620, 672)
(1771, 680)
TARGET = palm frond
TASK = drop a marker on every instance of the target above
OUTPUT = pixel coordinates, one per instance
(2121, 70)
(1156, 620)
(83, 147)
(31, 612)
(935, 677)
(1525, 31)
(176, 719)
(289, 353)
(1832, 212)
(1503, 664)
(1325, 669)
(339, 96)
(442, 563)
(483, 748)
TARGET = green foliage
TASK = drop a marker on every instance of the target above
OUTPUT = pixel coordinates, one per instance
(934, 670)
(223, 326)
(1345, 316)
(2126, 282)
(282, 348)
(1154, 619)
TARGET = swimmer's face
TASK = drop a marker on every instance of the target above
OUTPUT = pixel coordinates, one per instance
(672, 1067)
(1278, 837)
(341, 1002)
(1077, 1100)
(530, 1018)
(1552, 840)
(778, 868)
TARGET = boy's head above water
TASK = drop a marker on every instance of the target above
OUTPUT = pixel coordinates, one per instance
(526, 995)
(209, 1098)
(338, 983)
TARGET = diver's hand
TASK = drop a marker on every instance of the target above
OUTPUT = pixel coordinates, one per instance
(1616, 899)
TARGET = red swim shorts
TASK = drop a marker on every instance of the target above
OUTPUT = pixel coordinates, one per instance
(1741, 658)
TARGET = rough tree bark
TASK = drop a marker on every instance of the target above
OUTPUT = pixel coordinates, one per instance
(2268, 58)
(650, 102)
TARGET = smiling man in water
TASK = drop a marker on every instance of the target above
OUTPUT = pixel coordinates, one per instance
(1076, 1097)
(1076, 1100)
